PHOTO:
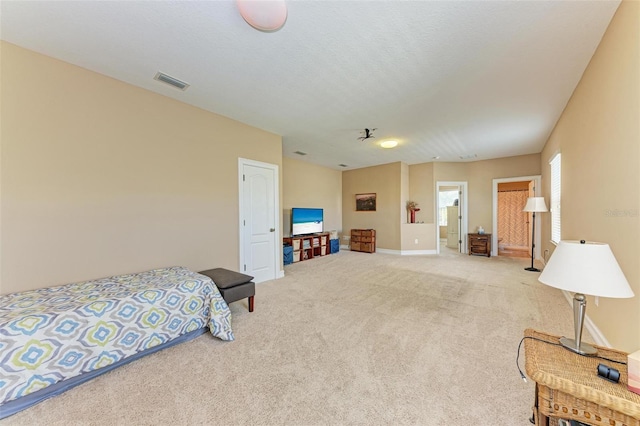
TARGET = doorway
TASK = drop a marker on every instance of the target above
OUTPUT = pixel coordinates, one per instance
(512, 235)
(451, 217)
(514, 230)
(259, 219)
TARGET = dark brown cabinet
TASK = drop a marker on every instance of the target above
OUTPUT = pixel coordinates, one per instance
(480, 244)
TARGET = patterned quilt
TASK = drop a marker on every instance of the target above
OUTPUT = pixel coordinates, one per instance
(56, 333)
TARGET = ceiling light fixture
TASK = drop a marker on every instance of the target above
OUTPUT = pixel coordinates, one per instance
(389, 144)
(266, 15)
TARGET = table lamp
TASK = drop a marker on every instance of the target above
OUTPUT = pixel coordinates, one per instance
(584, 268)
(534, 205)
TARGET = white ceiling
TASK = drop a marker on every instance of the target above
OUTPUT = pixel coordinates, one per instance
(445, 79)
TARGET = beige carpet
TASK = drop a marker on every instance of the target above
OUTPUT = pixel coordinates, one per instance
(346, 339)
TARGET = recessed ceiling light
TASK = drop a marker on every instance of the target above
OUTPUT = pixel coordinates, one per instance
(437, 157)
(389, 144)
(299, 152)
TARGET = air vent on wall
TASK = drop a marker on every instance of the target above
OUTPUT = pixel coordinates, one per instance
(299, 152)
(171, 81)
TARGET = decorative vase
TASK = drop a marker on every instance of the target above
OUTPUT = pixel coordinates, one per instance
(413, 215)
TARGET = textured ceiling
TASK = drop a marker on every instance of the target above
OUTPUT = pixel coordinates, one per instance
(446, 79)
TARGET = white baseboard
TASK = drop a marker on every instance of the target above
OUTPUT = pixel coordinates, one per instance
(280, 274)
(417, 252)
(344, 246)
(405, 252)
(597, 335)
(388, 251)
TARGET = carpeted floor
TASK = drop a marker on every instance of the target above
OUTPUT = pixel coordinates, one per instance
(346, 339)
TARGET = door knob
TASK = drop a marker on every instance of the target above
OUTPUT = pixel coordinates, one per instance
(272, 230)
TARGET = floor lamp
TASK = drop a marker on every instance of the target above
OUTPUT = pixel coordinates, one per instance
(534, 205)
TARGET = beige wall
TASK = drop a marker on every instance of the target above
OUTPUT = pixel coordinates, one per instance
(309, 185)
(480, 175)
(100, 177)
(421, 190)
(444, 172)
(598, 135)
(390, 180)
(385, 181)
(418, 238)
(1, 160)
(443, 232)
(404, 193)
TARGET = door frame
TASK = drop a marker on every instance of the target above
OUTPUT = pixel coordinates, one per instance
(494, 235)
(462, 186)
(277, 240)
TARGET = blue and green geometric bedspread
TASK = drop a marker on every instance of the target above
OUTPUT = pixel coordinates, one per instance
(53, 334)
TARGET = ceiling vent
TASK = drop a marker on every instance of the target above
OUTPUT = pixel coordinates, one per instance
(299, 152)
(343, 165)
(468, 156)
(171, 81)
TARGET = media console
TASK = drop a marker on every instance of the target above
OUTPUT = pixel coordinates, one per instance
(307, 247)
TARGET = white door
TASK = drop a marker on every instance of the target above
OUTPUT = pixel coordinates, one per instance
(258, 219)
(462, 206)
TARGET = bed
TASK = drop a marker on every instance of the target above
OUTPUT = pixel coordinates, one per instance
(55, 338)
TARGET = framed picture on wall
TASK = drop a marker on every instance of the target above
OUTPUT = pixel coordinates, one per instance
(366, 202)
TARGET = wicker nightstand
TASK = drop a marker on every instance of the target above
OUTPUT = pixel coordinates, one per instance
(568, 387)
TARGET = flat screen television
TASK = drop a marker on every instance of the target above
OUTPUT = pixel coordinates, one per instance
(306, 221)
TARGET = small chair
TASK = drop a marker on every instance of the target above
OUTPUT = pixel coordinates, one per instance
(233, 285)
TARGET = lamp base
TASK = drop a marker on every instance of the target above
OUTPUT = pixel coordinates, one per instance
(532, 269)
(584, 349)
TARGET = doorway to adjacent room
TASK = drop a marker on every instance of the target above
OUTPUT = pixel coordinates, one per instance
(451, 211)
(512, 227)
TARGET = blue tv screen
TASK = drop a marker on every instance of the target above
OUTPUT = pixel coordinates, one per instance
(306, 221)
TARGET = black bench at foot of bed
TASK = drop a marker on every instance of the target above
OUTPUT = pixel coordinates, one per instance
(233, 285)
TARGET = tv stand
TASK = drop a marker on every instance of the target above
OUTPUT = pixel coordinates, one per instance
(307, 247)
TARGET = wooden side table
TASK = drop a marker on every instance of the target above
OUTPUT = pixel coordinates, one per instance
(568, 386)
(479, 244)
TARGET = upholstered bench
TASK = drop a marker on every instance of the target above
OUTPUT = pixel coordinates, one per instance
(233, 286)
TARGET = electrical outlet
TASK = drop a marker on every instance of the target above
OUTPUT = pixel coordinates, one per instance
(416, 241)
(597, 300)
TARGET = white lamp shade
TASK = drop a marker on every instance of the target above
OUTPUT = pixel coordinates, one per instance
(263, 15)
(589, 268)
(535, 204)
